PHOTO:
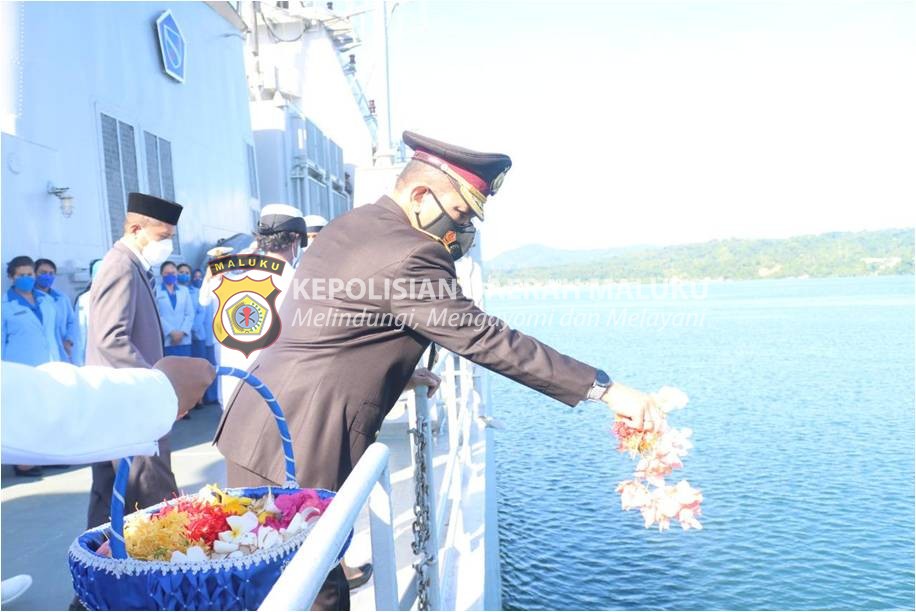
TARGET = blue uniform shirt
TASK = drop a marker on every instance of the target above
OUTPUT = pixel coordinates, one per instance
(67, 326)
(175, 312)
(29, 331)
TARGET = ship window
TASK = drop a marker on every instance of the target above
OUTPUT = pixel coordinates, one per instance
(152, 170)
(120, 161)
(316, 190)
(255, 220)
(160, 179)
(325, 204)
(322, 159)
(338, 164)
(311, 141)
(252, 171)
(340, 204)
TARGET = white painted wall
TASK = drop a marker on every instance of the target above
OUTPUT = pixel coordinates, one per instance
(63, 64)
(328, 100)
(310, 69)
(372, 182)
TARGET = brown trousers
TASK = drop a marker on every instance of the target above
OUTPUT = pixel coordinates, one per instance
(151, 481)
(335, 592)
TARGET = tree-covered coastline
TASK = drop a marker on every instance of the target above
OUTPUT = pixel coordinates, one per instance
(867, 253)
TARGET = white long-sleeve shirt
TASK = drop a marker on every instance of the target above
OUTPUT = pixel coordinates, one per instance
(58, 413)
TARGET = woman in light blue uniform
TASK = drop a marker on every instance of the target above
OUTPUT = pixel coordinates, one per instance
(29, 318)
(81, 306)
(202, 330)
(67, 328)
(29, 326)
(176, 312)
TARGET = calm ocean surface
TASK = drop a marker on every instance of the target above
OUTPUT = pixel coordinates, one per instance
(802, 406)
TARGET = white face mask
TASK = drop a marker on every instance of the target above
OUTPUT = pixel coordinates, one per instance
(157, 251)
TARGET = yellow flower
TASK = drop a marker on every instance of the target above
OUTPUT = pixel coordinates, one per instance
(230, 503)
(235, 505)
(156, 539)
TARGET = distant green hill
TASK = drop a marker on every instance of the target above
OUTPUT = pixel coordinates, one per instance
(834, 254)
(534, 255)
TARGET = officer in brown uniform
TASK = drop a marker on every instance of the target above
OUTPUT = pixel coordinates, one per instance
(336, 377)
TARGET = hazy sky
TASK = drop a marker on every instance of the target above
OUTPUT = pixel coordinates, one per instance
(666, 122)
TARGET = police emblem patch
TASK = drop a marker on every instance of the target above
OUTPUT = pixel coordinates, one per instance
(247, 319)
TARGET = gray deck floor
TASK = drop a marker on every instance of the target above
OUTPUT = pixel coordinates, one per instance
(41, 517)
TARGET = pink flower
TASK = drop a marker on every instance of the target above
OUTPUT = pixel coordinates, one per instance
(660, 453)
(291, 504)
(633, 494)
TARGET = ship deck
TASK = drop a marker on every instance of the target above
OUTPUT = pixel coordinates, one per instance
(41, 517)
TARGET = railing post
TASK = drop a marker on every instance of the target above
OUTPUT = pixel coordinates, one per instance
(302, 578)
(426, 542)
(381, 530)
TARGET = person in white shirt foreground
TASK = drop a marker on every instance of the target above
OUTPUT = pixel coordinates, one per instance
(60, 413)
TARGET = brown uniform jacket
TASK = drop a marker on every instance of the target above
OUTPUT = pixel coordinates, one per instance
(124, 332)
(336, 382)
(124, 328)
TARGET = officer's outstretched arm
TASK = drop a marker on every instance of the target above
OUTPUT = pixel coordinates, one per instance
(429, 300)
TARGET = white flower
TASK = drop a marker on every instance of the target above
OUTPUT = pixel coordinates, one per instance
(240, 534)
(223, 548)
(267, 537)
(307, 513)
(269, 505)
(669, 399)
(302, 521)
(295, 526)
(195, 554)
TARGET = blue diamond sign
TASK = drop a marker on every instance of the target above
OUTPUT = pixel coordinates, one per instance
(172, 46)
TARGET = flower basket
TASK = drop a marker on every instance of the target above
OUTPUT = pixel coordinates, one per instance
(235, 582)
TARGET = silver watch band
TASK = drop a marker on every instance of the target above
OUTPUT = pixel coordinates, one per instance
(602, 383)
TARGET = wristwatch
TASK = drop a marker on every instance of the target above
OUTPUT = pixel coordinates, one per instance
(602, 383)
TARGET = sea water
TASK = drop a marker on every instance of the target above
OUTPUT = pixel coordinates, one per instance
(802, 407)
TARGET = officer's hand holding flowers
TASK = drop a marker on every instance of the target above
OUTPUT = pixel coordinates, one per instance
(636, 409)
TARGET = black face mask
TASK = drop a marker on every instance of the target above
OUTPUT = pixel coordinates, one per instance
(458, 239)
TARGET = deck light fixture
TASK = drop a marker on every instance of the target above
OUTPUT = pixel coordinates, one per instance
(66, 199)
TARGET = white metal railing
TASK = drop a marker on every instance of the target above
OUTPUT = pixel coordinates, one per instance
(454, 407)
(302, 578)
(438, 507)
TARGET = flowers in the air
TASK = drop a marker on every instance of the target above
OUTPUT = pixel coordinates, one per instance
(663, 504)
(660, 452)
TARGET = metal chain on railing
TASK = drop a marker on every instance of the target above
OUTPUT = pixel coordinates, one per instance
(421, 526)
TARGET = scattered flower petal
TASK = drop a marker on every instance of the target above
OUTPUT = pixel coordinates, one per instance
(660, 452)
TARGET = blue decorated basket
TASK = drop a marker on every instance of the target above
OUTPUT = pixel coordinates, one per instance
(122, 583)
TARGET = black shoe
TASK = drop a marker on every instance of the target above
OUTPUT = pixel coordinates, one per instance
(76, 604)
(33, 472)
(358, 576)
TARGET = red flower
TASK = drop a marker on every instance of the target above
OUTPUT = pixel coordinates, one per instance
(205, 521)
